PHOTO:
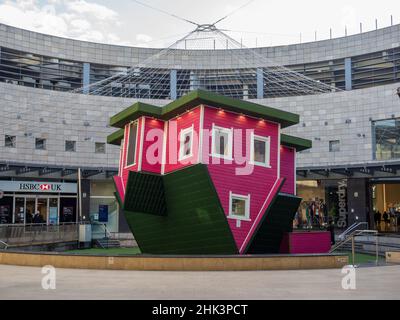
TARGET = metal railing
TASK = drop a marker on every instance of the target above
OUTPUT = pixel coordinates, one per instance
(3, 245)
(33, 234)
(354, 227)
(100, 230)
(351, 237)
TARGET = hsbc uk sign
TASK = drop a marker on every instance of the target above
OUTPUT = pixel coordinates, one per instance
(38, 187)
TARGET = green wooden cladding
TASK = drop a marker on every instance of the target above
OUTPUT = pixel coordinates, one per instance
(278, 220)
(146, 194)
(194, 223)
(299, 144)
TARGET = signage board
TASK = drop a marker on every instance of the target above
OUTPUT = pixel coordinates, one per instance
(38, 187)
(103, 213)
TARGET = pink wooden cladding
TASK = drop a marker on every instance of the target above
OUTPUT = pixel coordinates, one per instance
(272, 194)
(224, 177)
(120, 187)
(306, 242)
(152, 147)
(288, 169)
(175, 126)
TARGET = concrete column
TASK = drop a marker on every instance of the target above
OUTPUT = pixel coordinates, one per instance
(85, 199)
(260, 83)
(358, 202)
(348, 74)
(86, 77)
(173, 85)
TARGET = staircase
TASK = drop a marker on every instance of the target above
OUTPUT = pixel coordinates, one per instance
(367, 244)
(102, 238)
(107, 243)
(3, 245)
(347, 240)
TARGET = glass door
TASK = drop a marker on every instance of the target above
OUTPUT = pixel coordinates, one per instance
(19, 211)
(41, 214)
(30, 209)
(53, 211)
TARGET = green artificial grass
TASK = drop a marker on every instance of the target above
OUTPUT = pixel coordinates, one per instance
(106, 252)
(362, 258)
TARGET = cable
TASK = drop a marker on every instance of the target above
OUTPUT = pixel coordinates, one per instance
(234, 11)
(165, 12)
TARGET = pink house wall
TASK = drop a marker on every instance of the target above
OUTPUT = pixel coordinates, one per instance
(258, 184)
(288, 156)
(152, 145)
(175, 126)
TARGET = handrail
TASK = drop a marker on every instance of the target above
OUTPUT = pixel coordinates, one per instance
(4, 244)
(104, 226)
(352, 228)
(352, 238)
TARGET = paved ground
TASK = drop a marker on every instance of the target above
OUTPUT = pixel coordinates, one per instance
(372, 283)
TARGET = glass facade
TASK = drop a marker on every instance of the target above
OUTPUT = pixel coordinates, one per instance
(386, 139)
(51, 73)
(331, 72)
(323, 200)
(38, 71)
(377, 68)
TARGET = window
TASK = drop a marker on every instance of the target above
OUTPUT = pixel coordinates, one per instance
(100, 147)
(334, 146)
(70, 146)
(186, 144)
(222, 143)
(40, 144)
(260, 152)
(132, 137)
(10, 141)
(386, 142)
(239, 207)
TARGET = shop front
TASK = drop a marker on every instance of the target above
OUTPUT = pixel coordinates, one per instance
(348, 201)
(33, 202)
(385, 203)
(323, 201)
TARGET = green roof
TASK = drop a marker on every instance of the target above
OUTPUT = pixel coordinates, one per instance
(299, 144)
(198, 97)
(116, 137)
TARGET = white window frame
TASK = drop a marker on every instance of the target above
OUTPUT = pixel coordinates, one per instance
(246, 198)
(127, 145)
(229, 131)
(121, 157)
(267, 141)
(183, 133)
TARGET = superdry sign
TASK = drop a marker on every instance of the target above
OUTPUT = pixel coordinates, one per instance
(38, 187)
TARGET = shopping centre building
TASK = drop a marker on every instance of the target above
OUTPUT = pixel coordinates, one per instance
(48, 131)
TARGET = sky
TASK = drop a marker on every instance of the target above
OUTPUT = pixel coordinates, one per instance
(260, 23)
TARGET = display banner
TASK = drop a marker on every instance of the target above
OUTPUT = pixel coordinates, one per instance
(103, 213)
(38, 187)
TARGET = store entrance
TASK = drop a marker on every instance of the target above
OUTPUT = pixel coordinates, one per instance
(386, 206)
(38, 209)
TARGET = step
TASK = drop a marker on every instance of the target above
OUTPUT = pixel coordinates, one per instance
(108, 243)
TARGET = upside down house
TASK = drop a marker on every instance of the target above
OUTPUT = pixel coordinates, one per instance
(207, 174)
